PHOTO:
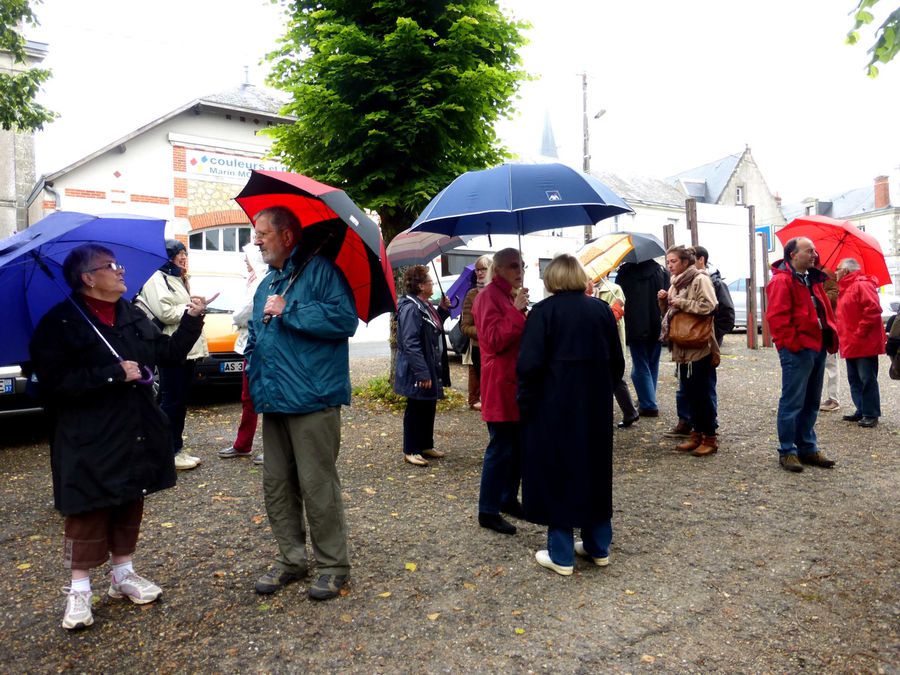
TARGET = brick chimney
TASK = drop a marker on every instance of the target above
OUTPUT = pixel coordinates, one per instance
(882, 193)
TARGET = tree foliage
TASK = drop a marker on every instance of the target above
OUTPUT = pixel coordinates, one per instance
(18, 110)
(395, 98)
(887, 36)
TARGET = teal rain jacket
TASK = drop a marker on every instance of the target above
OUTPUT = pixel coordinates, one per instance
(299, 362)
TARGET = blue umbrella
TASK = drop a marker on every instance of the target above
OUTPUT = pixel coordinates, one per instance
(457, 292)
(518, 199)
(31, 279)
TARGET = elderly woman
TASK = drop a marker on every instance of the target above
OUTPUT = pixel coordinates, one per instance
(570, 361)
(467, 325)
(163, 298)
(419, 375)
(692, 292)
(110, 442)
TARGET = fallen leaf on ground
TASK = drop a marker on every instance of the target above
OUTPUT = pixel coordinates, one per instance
(520, 631)
(647, 658)
(23, 566)
(167, 525)
(386, 594)
(434, 616)
(346, 618)
(411, 567)
(628, 591)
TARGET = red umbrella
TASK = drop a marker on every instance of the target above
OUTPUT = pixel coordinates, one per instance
(334, 227)
(838, 239)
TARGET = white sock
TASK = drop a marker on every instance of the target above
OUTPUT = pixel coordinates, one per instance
(81, 585)
(119, 571)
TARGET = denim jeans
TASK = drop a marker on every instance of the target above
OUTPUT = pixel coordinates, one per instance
(862, 374)
(645, 371)
(174, 382)
(801, 388)
(683, 404)
(561, 542)
(501, 472)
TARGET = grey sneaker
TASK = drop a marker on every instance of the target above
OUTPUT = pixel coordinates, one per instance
(134, 587)
(225, 453)
(258, 460)
(327, 586)
(78, 609)
(274, 580)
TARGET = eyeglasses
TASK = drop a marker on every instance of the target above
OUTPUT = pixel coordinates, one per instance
(517, 266)
(114, 266)
(481, 269)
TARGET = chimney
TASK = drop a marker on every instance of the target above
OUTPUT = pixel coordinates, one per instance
(882, 193)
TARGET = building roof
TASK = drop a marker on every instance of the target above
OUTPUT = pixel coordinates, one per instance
(706, 183)
(642, 189)
(244, 98)
(845, 205)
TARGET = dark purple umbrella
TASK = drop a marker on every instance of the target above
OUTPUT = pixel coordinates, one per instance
(457, 292)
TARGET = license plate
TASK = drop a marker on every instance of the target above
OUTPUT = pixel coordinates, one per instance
(7, 385)
(231, 367)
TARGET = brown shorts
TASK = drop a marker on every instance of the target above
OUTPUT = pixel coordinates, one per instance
(91, 537)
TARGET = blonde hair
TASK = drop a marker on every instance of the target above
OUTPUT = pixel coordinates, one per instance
(565, 273)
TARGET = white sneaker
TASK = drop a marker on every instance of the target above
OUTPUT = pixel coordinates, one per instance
(184, 462)
(78, 609)
(543, 559)
(134, 587)
(192, 457)
(599, 562)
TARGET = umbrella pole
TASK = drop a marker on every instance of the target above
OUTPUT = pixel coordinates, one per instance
(437, 278)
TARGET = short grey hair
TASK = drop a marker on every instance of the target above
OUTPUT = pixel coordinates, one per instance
(501, 258)
(79, 261)
(849, 264)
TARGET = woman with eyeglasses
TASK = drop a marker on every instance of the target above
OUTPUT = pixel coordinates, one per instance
(163, 298)
(420, 375)
(110, 443)
(467, 325)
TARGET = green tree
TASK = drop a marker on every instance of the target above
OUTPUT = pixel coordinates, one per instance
(18, 110)
(395, 98)
(887, 36)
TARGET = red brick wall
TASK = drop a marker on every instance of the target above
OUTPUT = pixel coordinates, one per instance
(149, 199)
(178, 159)
(85, 194)
(181, 188)
(235, 216)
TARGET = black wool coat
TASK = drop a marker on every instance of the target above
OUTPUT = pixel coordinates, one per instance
(570, 360)
(640, 283)
(110, 442)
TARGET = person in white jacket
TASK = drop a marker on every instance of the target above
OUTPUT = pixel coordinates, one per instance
(243, 442)
(164, 298)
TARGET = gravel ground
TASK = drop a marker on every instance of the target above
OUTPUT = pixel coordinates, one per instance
(719, 564)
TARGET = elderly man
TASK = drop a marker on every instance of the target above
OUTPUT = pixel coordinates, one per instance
(499, 312)
(299, 374)
(862, 339)
(803, 327)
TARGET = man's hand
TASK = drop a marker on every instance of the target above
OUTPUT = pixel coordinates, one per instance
(275, 305)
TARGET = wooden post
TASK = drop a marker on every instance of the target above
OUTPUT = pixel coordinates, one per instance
(690, 211)
(766, 335)
(752, 309)
(668, 235)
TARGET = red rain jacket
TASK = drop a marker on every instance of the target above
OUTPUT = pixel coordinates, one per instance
(499, 326)
(792, 316)
(859, 316)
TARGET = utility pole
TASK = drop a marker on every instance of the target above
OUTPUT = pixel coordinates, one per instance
(586, 165)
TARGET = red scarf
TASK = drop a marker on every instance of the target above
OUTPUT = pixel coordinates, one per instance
(102, 309)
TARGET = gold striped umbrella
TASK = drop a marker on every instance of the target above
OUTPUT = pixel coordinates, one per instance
(601, 255)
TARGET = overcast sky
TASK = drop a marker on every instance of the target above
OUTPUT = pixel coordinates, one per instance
(682, 83)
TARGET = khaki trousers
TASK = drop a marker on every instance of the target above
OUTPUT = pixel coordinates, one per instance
(300, 473)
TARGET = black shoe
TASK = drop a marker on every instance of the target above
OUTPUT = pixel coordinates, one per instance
(327, 586)
(628, 421)
(648, 413)
(817, 459)
(513, 509)
(790, 463)
(275, 579)
(496, 522)
(855, 417)
(868, 422)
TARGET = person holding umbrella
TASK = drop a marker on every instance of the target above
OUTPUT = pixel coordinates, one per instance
(163, 298)
(110, 444)
(482, 272)
(420, 354)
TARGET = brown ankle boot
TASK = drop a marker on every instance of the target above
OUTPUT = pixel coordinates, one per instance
(709, 445)
(691, 443)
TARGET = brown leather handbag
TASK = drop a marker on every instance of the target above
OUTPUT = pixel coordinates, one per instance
(690, 331)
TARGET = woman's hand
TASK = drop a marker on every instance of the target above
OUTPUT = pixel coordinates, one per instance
(662, 294)
(445, 302)
(424, 384)
(520, 302)
(198, 304)
(132, 370)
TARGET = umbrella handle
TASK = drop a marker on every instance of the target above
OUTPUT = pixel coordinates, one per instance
(148, 376)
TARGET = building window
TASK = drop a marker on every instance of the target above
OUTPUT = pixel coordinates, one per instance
(739, 195)
(228, 239)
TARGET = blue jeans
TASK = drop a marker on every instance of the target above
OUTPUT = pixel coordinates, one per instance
(645, 371)
(174, 382)
(862, 374)
(801, 388)
(561, 542)
(683, 405)
(501, 472)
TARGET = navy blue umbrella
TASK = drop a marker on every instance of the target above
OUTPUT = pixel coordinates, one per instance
(31, 279)
(518, 199)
